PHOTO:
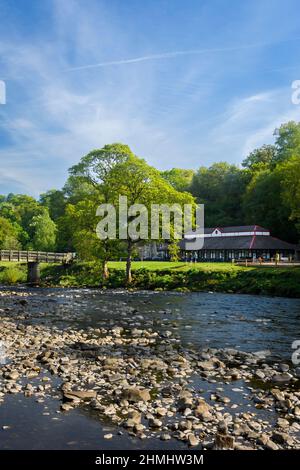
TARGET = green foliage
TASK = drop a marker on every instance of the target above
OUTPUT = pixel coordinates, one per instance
(266, 191)
(287, 141)
(217, 277)
(55, 201)
(289, 172)
(174, 250)
(179, 178)
(8, 235)
(220, 188)
(12, 275)
(265, 205)
(44, 232)
(261, 158)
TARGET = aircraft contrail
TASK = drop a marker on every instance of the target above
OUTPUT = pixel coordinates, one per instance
(170, 55)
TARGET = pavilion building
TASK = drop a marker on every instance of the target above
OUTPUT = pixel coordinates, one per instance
(242, 242)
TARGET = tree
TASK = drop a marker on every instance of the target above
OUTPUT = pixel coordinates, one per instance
(143, 184)
(220, 188)
(55, 201)
(115, 171)
(287, 141)
(93, 172)
(260, 159)
(174, 250)
(8, 235)
(80, 221)
(44, 232)
(264, 205)
(20, 209)
(179, 178)
(290, 182)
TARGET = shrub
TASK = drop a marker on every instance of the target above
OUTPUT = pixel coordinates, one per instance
(12, 275)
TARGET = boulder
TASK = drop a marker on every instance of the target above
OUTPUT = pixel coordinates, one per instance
(223, 441)
(73, 395)
(135, 394)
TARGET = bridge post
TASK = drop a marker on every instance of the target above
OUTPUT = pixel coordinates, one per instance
(33, 273)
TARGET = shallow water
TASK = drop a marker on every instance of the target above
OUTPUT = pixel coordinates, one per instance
(199, 320)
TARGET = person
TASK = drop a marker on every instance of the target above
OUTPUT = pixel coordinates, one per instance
(277, 258)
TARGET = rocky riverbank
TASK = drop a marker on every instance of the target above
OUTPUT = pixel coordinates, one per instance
(144, 382)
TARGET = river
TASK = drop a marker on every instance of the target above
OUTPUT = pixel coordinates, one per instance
(198, 320)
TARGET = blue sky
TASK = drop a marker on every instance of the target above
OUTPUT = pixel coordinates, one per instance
(184, 83)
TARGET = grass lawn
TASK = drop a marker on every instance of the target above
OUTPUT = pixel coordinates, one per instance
(176, 266)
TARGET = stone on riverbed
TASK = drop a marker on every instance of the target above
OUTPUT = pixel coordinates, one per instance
(193, 440)
(135, 394)
(223, 441)
(203, 411)
(73, 395)
(13, 375)
(282, 378)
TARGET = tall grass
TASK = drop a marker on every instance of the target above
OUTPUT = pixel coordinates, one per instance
(12, 275)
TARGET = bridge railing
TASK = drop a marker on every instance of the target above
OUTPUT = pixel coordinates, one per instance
(35, 256)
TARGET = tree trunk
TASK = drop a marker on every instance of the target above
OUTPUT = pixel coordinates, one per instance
(105, 272)
(128, 263)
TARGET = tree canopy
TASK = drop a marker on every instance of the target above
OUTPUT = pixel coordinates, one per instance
(264, 190)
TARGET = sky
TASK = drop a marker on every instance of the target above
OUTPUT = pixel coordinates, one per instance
(183, 83)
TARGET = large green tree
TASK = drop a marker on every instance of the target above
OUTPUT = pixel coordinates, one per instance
(179, 178)
(115, 171)
(290, 187)
(89, 186)
(8, 235)
(220, 188)
(287, 141)
(44, 232)
(260, 159)
(265, 205)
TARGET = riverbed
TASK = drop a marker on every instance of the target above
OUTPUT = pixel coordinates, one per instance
(204, 332)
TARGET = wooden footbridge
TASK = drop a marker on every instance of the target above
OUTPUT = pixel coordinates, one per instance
(33, 258)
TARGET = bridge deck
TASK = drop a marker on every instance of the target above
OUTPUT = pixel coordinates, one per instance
(35, 256)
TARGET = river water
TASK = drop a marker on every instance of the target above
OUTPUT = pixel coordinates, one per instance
(199, 320)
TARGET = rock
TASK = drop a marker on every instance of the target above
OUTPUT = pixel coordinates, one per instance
(72, 395)
(262, 354)
(259, 374)
(139, 427)
(283, 367)
(66, 407)
(281, 438)
(223, 441)
(222, 427)
(277, 394)
(210, 364)
(282, 423)
(165, 436)
(282, 378)
(185, 400)
(155, 423)
(135, 394)
(13, 375)
(263, 439)
(297, 411)
(161, 411)
(193, 440)
(271, 445)
(202, 411)
(185, 425)
(134, 418)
